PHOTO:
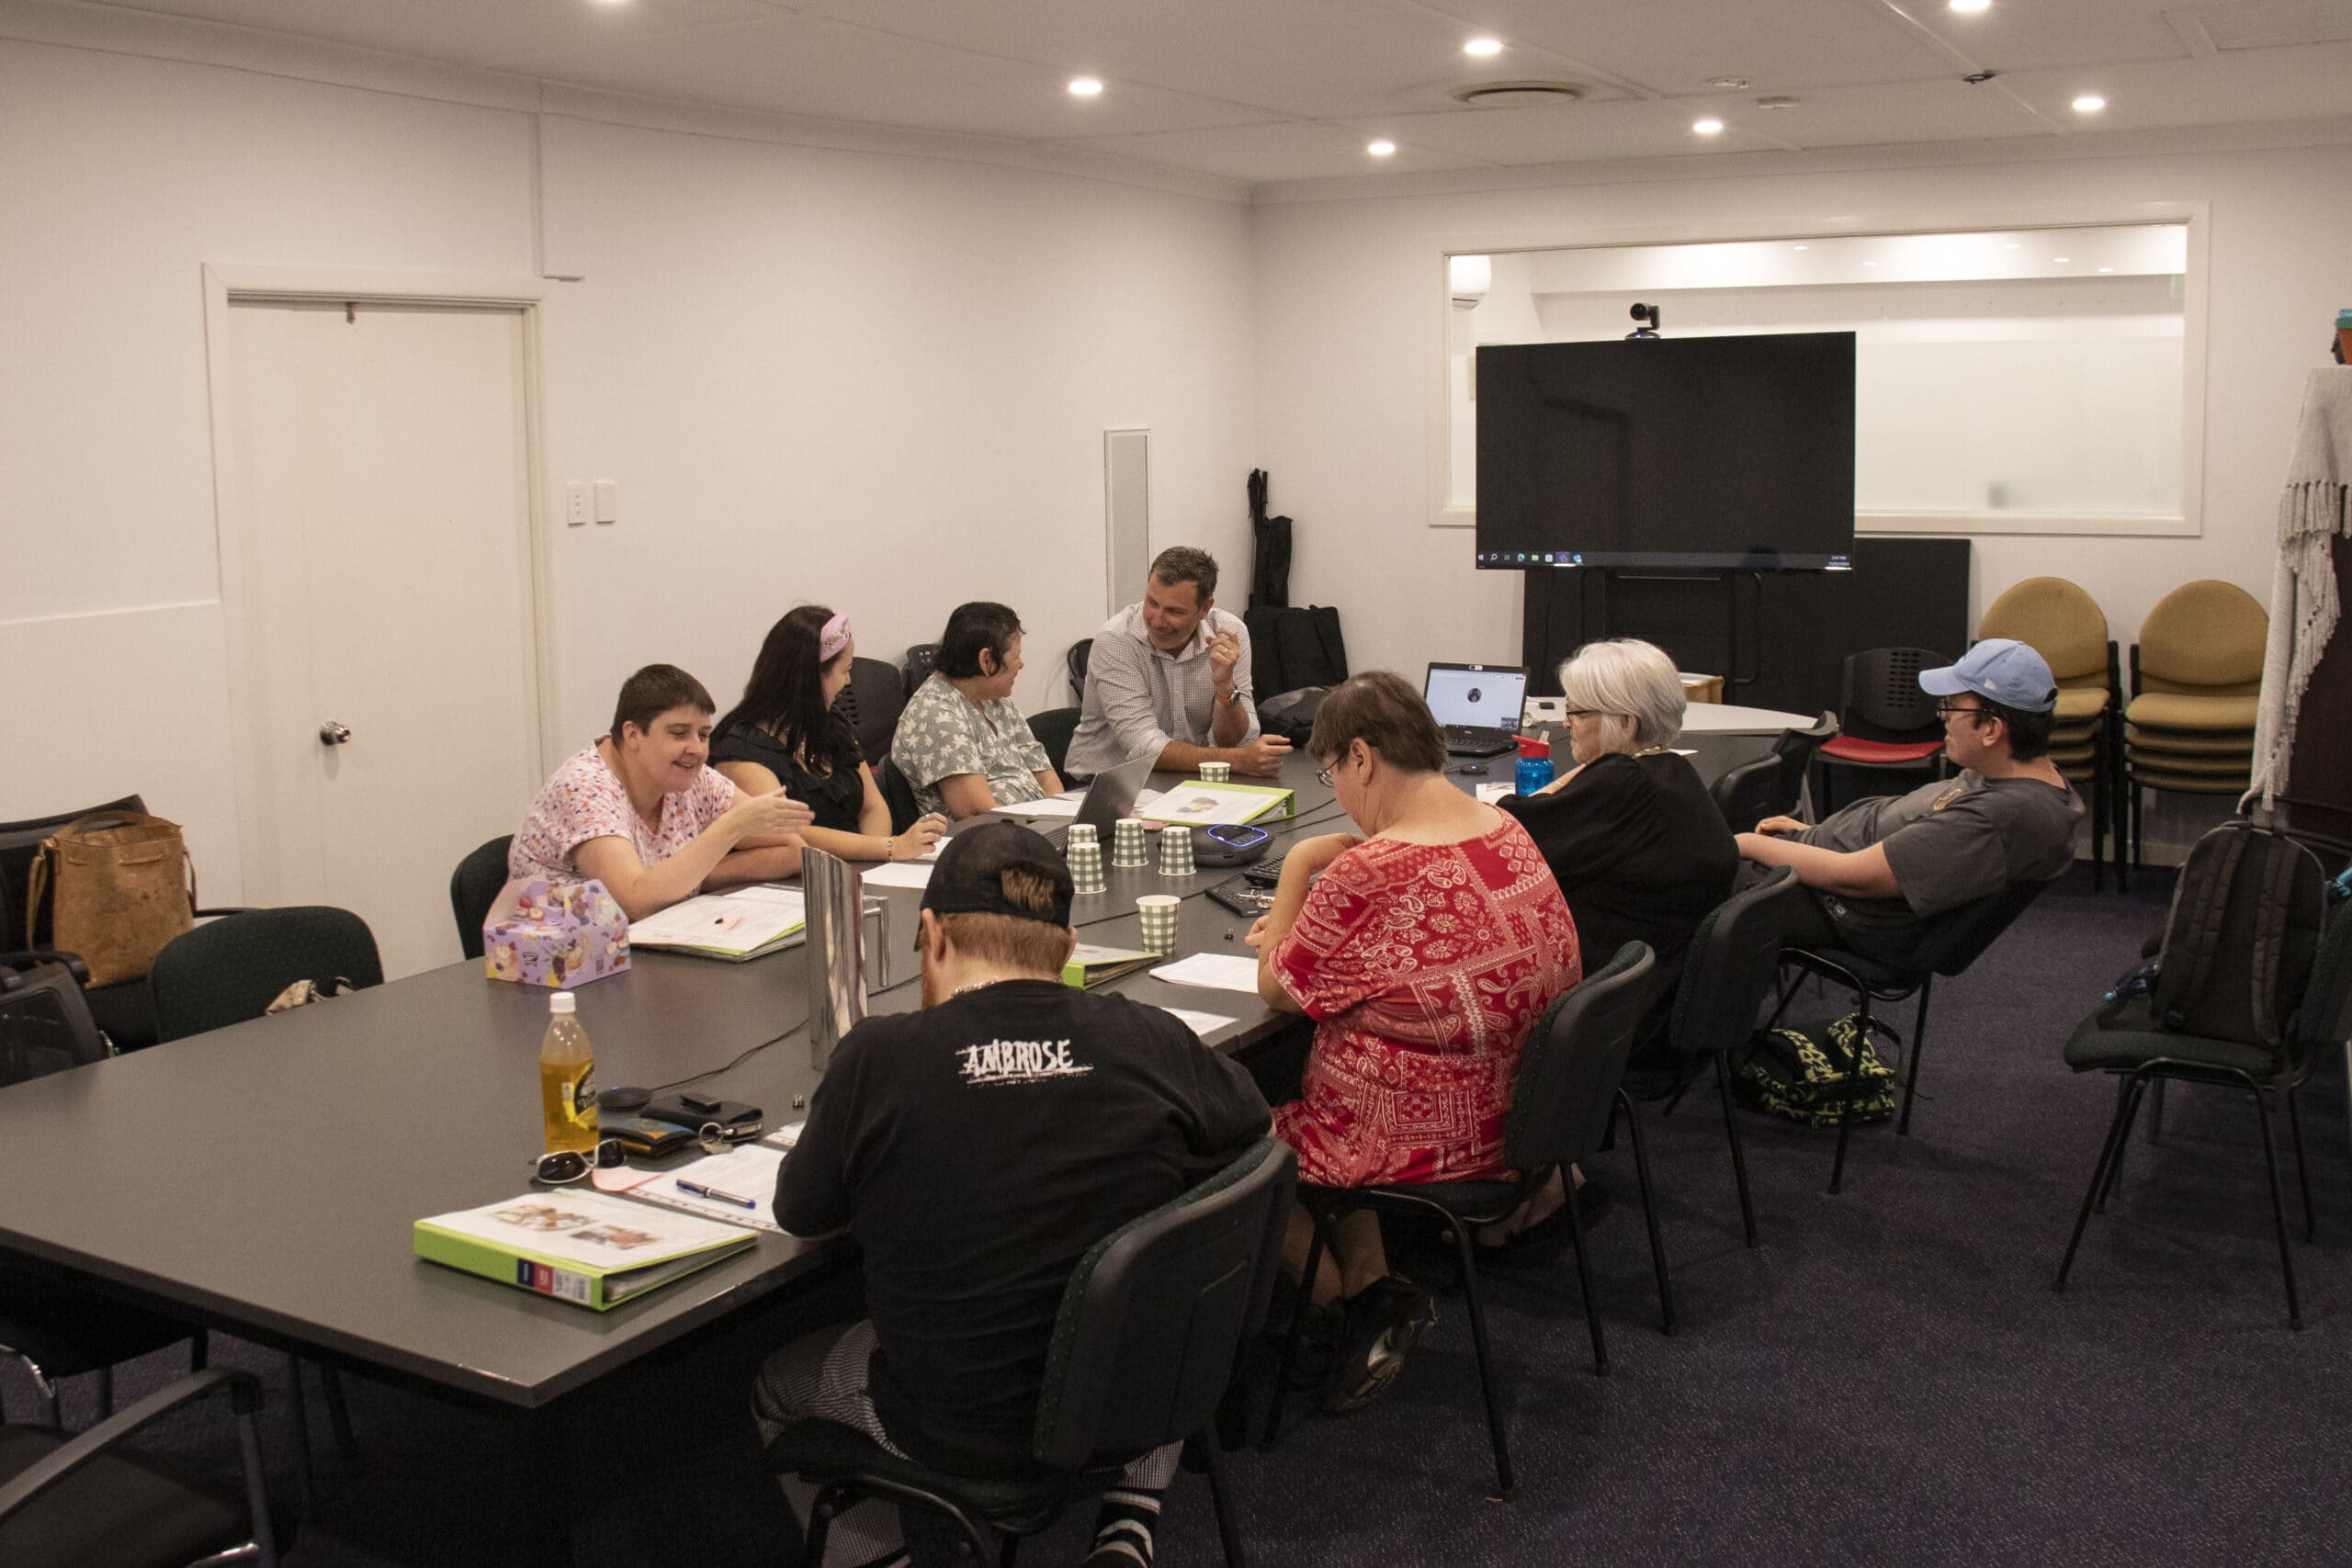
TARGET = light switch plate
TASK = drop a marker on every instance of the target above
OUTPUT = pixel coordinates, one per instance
(575, 503)
(609, 502)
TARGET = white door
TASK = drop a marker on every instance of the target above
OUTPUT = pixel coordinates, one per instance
(376, 498)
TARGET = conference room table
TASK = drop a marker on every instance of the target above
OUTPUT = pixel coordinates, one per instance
(263, 1179)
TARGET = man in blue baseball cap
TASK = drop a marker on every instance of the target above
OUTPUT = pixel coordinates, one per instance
(1883, 866)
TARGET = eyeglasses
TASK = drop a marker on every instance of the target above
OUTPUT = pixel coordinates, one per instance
(1947, 710)
(1323, 776)
(559, 1166)
(1583, 713)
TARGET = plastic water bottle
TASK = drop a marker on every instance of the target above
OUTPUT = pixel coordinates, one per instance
(1534, 764)
(567, 1080)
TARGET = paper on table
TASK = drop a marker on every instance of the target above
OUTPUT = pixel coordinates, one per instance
(1491, 793)
(903, 874)
(748, 1170)
(1052, 805)
(784, 1137)
(1200, 1023)
(1198, 805)
(1218, 971)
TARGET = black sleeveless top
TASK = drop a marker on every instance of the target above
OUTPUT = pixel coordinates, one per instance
(836, 796)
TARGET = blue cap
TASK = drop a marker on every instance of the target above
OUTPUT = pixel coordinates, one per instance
(2000, 670)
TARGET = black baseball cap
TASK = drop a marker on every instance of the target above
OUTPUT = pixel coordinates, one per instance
(969, 877)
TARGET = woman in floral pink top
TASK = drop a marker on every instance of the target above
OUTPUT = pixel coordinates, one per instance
(641, 813)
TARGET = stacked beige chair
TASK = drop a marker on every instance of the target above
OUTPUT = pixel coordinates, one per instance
(2195, 679)
(2063, 624)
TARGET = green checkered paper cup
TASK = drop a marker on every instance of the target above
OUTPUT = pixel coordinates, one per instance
(1158, 912)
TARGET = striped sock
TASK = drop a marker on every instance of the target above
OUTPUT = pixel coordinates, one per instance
(1123, 1530)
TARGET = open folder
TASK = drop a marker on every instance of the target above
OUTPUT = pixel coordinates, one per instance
(744, 922)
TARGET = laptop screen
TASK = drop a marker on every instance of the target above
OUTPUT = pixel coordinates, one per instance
(1485, 696)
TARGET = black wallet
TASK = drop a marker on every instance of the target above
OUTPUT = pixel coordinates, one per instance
(645, 1137)
(692, 1111)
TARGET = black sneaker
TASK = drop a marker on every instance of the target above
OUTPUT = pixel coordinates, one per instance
(1384, 1321)
(1320, 1342)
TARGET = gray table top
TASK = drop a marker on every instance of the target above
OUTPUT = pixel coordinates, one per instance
(264, 1177)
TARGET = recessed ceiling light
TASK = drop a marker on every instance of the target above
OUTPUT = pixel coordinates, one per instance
(2061, 261)
(1800, 247)
(1380, 149)
(1732, 83)
(1085, 87)
(1777, 101)
(1971, 5)
(1870, 263)
(2089, 103)
(1483, 47)
(2014, 245)
(2106, 269)
(1709, 127)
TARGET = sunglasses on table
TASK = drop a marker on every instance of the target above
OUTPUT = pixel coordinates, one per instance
(558, 1167)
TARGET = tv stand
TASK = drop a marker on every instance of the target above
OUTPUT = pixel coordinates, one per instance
(1781, 641)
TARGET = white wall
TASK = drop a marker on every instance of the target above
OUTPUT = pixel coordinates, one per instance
(868, 378)
(1349, 333)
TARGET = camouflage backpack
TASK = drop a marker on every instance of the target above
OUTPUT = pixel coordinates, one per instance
(1800, 1075)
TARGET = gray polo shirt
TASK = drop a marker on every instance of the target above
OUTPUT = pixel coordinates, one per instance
(1951, 842)
(1138, 698)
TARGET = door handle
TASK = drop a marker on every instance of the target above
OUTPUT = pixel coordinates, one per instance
(334, 734)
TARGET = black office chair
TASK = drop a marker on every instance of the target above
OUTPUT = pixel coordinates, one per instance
(1142, 1353)
(872, 702)
(921, 658)
(2129, 1042)
(1727, 973)
(1075, 662)
(474, 886)
(70, 1502)
(1951, 941)
(227, 971)
(1771, 785)
(898, 794)
(59, 1329)
(1053, 730)
(1563, 1104)
(1885, 721)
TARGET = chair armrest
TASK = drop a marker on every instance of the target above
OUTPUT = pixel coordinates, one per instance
(73, 962)
(225, 910)
(244, 1395)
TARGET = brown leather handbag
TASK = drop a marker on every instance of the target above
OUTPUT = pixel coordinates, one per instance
(124, 886)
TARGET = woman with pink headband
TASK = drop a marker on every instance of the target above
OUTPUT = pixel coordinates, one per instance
(785, 732)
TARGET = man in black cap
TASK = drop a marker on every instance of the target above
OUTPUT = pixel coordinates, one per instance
(976, 1149)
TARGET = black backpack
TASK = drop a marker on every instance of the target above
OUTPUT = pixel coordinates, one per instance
(2239, 942)
(1292, 648)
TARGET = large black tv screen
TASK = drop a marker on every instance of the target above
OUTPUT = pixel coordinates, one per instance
(1701, 452)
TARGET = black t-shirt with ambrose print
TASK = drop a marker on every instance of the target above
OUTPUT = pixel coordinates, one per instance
(976, 1150)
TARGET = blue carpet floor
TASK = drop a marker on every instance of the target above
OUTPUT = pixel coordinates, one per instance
(1887, 1379)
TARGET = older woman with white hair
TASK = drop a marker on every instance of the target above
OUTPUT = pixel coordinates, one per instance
(1630, 831)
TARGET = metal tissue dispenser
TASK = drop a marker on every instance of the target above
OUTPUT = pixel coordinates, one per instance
(839, 952)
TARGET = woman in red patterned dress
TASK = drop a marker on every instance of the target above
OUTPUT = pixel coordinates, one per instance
(1424, 952)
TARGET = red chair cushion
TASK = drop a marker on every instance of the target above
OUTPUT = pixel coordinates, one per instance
(1880, 753)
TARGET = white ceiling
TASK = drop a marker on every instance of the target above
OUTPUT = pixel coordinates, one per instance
(1267, 90)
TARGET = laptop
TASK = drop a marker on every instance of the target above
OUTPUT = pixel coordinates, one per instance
(1477, 706)
(1110, 796)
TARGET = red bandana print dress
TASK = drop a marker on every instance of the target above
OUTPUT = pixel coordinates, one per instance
(1423, 965)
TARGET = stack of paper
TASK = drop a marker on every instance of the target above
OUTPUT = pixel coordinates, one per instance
(741, 923)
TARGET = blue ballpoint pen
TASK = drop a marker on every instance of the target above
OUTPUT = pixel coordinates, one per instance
(715, 1196)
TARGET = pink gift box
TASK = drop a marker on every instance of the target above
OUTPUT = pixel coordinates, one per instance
(560, 935)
